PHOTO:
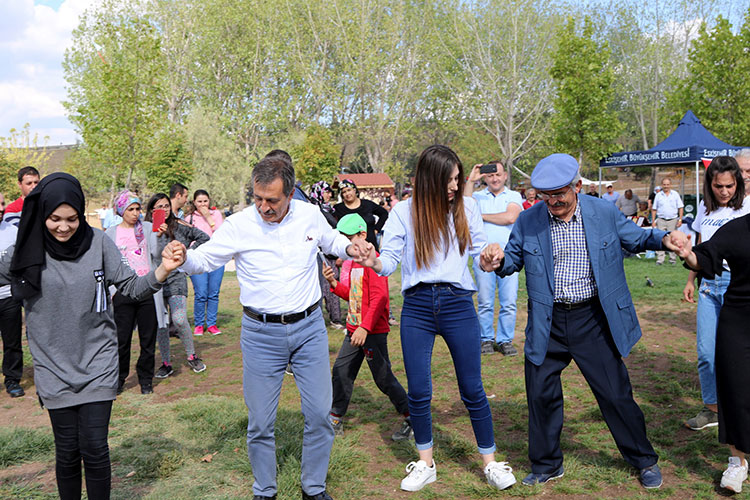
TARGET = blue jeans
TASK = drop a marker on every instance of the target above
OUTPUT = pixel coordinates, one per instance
(266, 350)
(206, 287)
(710, 300)
(507, 294)
(441, 309)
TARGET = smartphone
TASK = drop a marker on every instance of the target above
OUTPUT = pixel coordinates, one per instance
(158, 217)
(489, 168)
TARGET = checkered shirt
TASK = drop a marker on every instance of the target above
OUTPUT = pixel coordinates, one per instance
(574, 277)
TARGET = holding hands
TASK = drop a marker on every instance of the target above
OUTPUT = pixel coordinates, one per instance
(680, 243)
(173, 255)
(491, 257)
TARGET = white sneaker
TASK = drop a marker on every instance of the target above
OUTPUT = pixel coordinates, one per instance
(734, 475)
(419, 476)
(499, 475)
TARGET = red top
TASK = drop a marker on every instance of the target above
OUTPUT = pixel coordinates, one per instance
(526, 204)
(14, 206)
(367, 294)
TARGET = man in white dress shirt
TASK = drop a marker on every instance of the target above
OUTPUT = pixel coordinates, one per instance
(275, 247)
(666, 212)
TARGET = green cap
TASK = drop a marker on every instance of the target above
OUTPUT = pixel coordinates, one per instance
(351, 224)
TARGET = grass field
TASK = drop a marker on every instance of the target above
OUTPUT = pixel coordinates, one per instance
(187, 441)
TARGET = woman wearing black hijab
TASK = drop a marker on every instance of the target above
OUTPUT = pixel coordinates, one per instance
(61, 268)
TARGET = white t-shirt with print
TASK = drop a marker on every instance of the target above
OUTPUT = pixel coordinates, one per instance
(707, 224)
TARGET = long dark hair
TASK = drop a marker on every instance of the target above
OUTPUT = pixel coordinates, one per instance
(199, 192)
(171, 220)
(430, 204)
(720, 165)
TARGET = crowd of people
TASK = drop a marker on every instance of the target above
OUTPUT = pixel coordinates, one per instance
(294, 251)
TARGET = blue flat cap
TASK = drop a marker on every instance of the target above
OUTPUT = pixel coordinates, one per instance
(554, 172)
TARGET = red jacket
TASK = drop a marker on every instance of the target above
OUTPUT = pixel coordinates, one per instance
(367, 295)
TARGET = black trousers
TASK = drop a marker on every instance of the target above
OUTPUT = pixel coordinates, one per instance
(10, 328)
(128, 312)
(347, 365)
(583, 335)
(81, 433)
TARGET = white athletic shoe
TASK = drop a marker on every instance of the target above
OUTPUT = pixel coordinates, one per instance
(735, 474)
(419, 476)
(499, 475)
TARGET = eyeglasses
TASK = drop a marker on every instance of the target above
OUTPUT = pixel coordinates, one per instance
(554, 196)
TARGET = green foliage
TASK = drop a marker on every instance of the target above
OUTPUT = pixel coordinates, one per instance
(17, 150)
(8, 178)
(317, 158)
(114, 71)
(713, 90)
(21, 445)
(584, 122)
(172, 161)
(93, 180)
(216, 158)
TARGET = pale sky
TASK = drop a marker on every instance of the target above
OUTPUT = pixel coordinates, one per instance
(33, 37)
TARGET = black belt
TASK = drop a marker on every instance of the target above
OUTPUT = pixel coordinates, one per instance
(567, 306)
(284, 319)
(422, 284)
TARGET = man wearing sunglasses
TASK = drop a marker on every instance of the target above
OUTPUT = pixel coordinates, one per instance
(579, 309)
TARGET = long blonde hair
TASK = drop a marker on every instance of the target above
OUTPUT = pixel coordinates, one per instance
(430, 204)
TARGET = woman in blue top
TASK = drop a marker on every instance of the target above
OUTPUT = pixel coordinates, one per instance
(432, 235)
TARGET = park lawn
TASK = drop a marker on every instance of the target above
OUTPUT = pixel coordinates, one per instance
(187, 441)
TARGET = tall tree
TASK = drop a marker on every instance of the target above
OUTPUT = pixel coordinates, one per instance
(241, 68)
(17, 150)
(585, 122)
(114, 69)
(501, 78)
(317, 158)
(715, 88)
(367, 62)
(219, 164)
(646, 38)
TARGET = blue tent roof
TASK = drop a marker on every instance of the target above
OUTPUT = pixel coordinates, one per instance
(687, 144)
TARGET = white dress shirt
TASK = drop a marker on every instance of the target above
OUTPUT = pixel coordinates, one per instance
(276, 262)
(667, 207)
(397, 246)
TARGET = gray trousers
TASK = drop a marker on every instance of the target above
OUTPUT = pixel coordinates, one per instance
(266, 350)
(666, 225)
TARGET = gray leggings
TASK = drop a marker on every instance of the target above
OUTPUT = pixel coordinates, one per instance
(178, 314)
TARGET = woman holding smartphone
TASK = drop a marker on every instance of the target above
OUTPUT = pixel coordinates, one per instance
(61, 267)
(432, 235)
(175, 287)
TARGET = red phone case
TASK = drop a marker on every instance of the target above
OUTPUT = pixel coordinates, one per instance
(159, 216)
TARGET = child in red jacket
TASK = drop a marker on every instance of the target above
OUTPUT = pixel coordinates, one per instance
(367, 336)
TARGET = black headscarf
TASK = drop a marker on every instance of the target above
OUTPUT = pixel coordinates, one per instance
(34, 240)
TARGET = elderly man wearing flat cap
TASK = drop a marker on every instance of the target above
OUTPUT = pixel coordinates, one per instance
(579, 309)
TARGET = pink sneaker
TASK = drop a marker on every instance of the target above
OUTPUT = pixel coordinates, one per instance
(213, 330)
(198, 331)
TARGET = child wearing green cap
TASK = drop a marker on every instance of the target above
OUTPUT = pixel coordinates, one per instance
(367, 336)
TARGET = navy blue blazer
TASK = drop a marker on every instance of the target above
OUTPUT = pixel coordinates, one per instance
(607, 230)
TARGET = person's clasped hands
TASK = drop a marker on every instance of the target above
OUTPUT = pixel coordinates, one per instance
(173, 255)
(491, 257)
(678, 242)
